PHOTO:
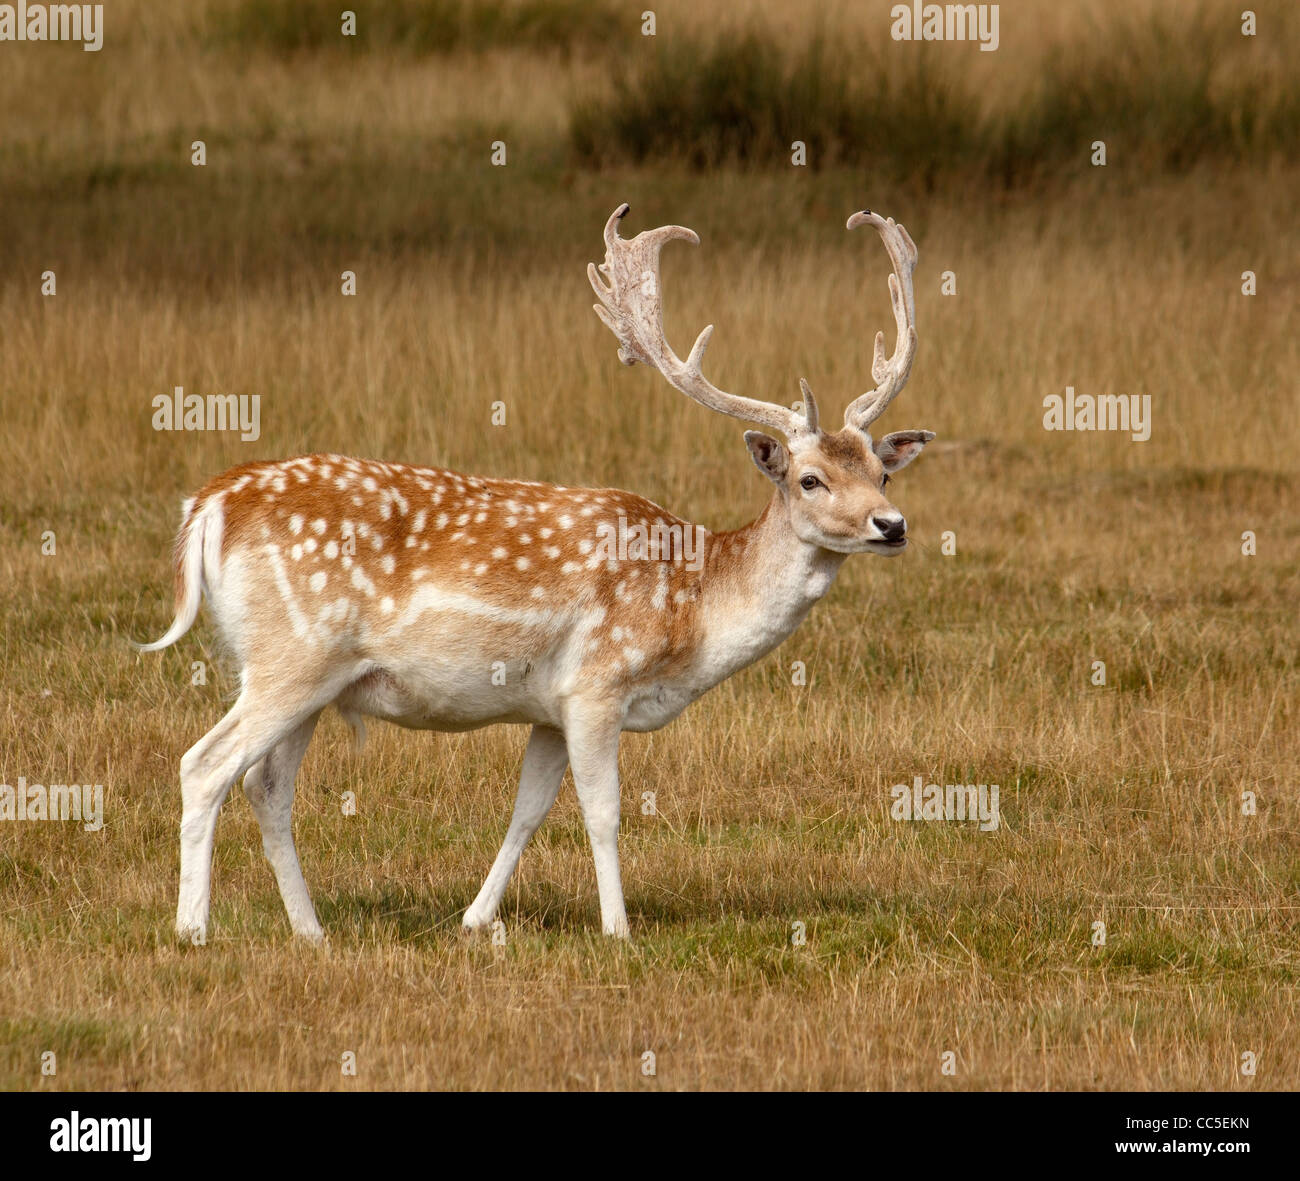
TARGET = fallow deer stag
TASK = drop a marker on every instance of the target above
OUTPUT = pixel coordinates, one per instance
(447, 602)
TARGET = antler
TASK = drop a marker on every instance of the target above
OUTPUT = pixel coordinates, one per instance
(631, 307)
(890, 376)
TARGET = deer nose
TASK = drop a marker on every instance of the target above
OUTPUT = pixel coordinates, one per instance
(891, 528)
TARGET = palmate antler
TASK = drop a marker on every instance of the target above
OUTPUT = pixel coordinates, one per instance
(890, 376)
(631, 306)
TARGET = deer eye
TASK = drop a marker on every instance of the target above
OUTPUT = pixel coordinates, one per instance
(808, 483)
(885, 480)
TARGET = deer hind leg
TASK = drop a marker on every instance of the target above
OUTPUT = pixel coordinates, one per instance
(539, 783)
(255, 724)
(268, 784)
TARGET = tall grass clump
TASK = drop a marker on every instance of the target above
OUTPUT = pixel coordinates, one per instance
(749, 100)
(1162, 92)
(1166, 95)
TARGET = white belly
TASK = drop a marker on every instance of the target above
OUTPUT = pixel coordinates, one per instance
(427, 705)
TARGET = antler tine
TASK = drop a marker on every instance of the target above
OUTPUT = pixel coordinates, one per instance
(631, 307)
(809, 406)
(890, 375)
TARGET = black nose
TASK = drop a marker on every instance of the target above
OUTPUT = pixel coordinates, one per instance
(891, 528)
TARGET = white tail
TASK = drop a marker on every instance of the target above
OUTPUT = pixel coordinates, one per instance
(199, 537)
(441, 601)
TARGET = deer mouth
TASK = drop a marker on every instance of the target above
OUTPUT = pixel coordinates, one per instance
(888, 547)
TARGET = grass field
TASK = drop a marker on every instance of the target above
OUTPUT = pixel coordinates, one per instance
(1121, 803)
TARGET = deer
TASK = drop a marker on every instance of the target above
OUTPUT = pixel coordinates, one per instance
(441, 601)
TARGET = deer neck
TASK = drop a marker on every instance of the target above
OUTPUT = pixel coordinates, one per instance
(758, 583)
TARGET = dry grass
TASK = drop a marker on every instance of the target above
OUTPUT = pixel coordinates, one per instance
(1120, 804)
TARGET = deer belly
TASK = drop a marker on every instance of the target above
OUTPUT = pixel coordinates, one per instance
(428, 704)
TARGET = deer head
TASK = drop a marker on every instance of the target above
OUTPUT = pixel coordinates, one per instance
(832, 485)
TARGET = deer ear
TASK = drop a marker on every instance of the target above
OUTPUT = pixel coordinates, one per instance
(899, 449)
(768, 454)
